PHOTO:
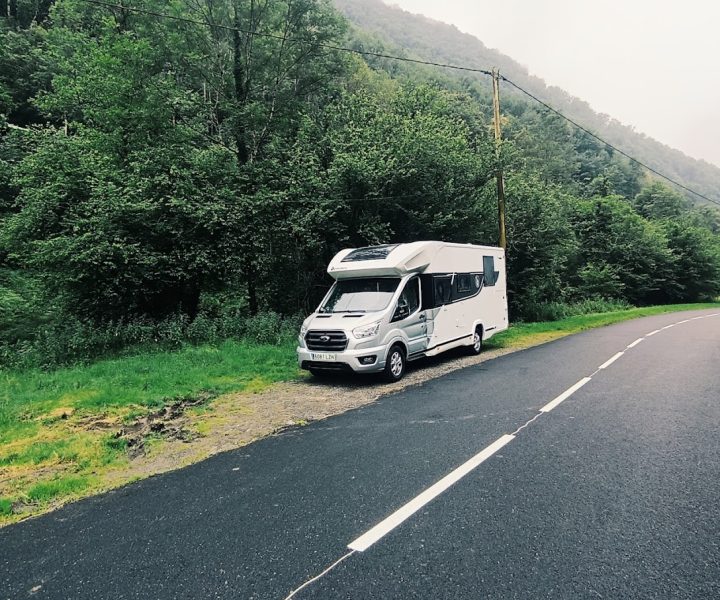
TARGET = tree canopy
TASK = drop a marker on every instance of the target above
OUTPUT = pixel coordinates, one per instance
(153, 168)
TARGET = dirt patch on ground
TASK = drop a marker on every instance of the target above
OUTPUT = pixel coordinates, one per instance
(234, 420)
(170, 422)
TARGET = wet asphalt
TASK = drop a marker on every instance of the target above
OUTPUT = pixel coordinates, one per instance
(613, 494)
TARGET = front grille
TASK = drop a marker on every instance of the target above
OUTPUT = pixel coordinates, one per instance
(326, 340)
(319, 365)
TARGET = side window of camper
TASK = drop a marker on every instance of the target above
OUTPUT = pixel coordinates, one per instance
(467, 285)
(428, 291)
(464, 283)
(442, 287)
(491, 274)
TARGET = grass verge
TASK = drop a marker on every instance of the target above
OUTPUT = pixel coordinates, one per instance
(58, 429)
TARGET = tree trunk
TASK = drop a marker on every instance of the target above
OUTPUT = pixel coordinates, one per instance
(43, 11)
(4, 8)
(251, 281)
(241, 88)
(12, 12)
(190, 302)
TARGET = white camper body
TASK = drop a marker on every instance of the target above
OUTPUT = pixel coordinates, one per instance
(395, 303)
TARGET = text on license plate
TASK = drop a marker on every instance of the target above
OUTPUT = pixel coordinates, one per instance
(323, 356)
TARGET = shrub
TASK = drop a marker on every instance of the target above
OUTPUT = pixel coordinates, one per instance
(270, 328)
(70, 340)
(554, 311)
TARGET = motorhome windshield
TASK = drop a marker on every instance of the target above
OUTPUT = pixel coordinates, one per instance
(360, 295)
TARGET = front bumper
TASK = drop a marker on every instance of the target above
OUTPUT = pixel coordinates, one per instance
(347, 360)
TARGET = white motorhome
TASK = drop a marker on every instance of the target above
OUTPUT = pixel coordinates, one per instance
(395, 303)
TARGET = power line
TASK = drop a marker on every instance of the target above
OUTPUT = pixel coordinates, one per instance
(608, 144)
(408, 60)
(329, 200)
(285, 39)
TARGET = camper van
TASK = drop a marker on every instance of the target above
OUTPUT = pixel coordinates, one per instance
(396, 303)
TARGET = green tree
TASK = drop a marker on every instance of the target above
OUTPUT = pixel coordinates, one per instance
(657, 201)
(610, 233)
(541, 243)
(695, 274)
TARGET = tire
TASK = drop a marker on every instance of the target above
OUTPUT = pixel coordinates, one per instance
(476, 347)
(395, 364)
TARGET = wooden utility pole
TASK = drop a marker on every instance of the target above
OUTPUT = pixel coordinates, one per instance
(502, 240)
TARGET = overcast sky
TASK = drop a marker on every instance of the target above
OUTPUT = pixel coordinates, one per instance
(652, 64)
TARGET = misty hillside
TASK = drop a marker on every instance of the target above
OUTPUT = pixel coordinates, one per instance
(427, 39)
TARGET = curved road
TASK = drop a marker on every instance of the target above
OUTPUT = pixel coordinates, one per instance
(520, 478)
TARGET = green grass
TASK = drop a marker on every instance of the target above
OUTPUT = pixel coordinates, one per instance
(28, 399)
(5, 507)
(523, 334)
(48, 450)
(44, 492)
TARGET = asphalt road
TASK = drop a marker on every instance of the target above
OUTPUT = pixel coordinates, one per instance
(614, 493)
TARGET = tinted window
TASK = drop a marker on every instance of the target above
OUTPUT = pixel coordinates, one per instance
(370, 253)
(442, 287)
(464, 282)
(467, 285)
(489, 269)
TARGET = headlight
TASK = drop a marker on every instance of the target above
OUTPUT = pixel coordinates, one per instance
(366, 330)
(301, 336)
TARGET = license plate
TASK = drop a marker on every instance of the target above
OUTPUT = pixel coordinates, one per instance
(323, 356)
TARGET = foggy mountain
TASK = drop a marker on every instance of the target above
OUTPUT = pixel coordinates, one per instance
(420, 37)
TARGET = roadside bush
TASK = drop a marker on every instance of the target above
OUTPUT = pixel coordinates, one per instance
(70, 340)
(270, 328)
(554, 311)
(202, 329)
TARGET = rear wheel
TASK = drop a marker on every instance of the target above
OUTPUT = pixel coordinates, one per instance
(395, 364)
(476, 346)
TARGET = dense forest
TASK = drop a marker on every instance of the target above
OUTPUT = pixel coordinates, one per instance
(172, 180)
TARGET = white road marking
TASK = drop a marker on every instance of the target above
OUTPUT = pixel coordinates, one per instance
(668, 326)
(565, 395)
(610, 361)
(410, 508)
(325, 572)
(386, 525)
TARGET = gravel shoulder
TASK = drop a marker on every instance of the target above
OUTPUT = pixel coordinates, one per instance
(234, 420)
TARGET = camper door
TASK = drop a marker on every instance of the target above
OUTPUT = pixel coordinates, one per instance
(446, 315)
(411, 318)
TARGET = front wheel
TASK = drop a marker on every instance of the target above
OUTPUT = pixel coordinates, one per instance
(395, 364)
(476, 347)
